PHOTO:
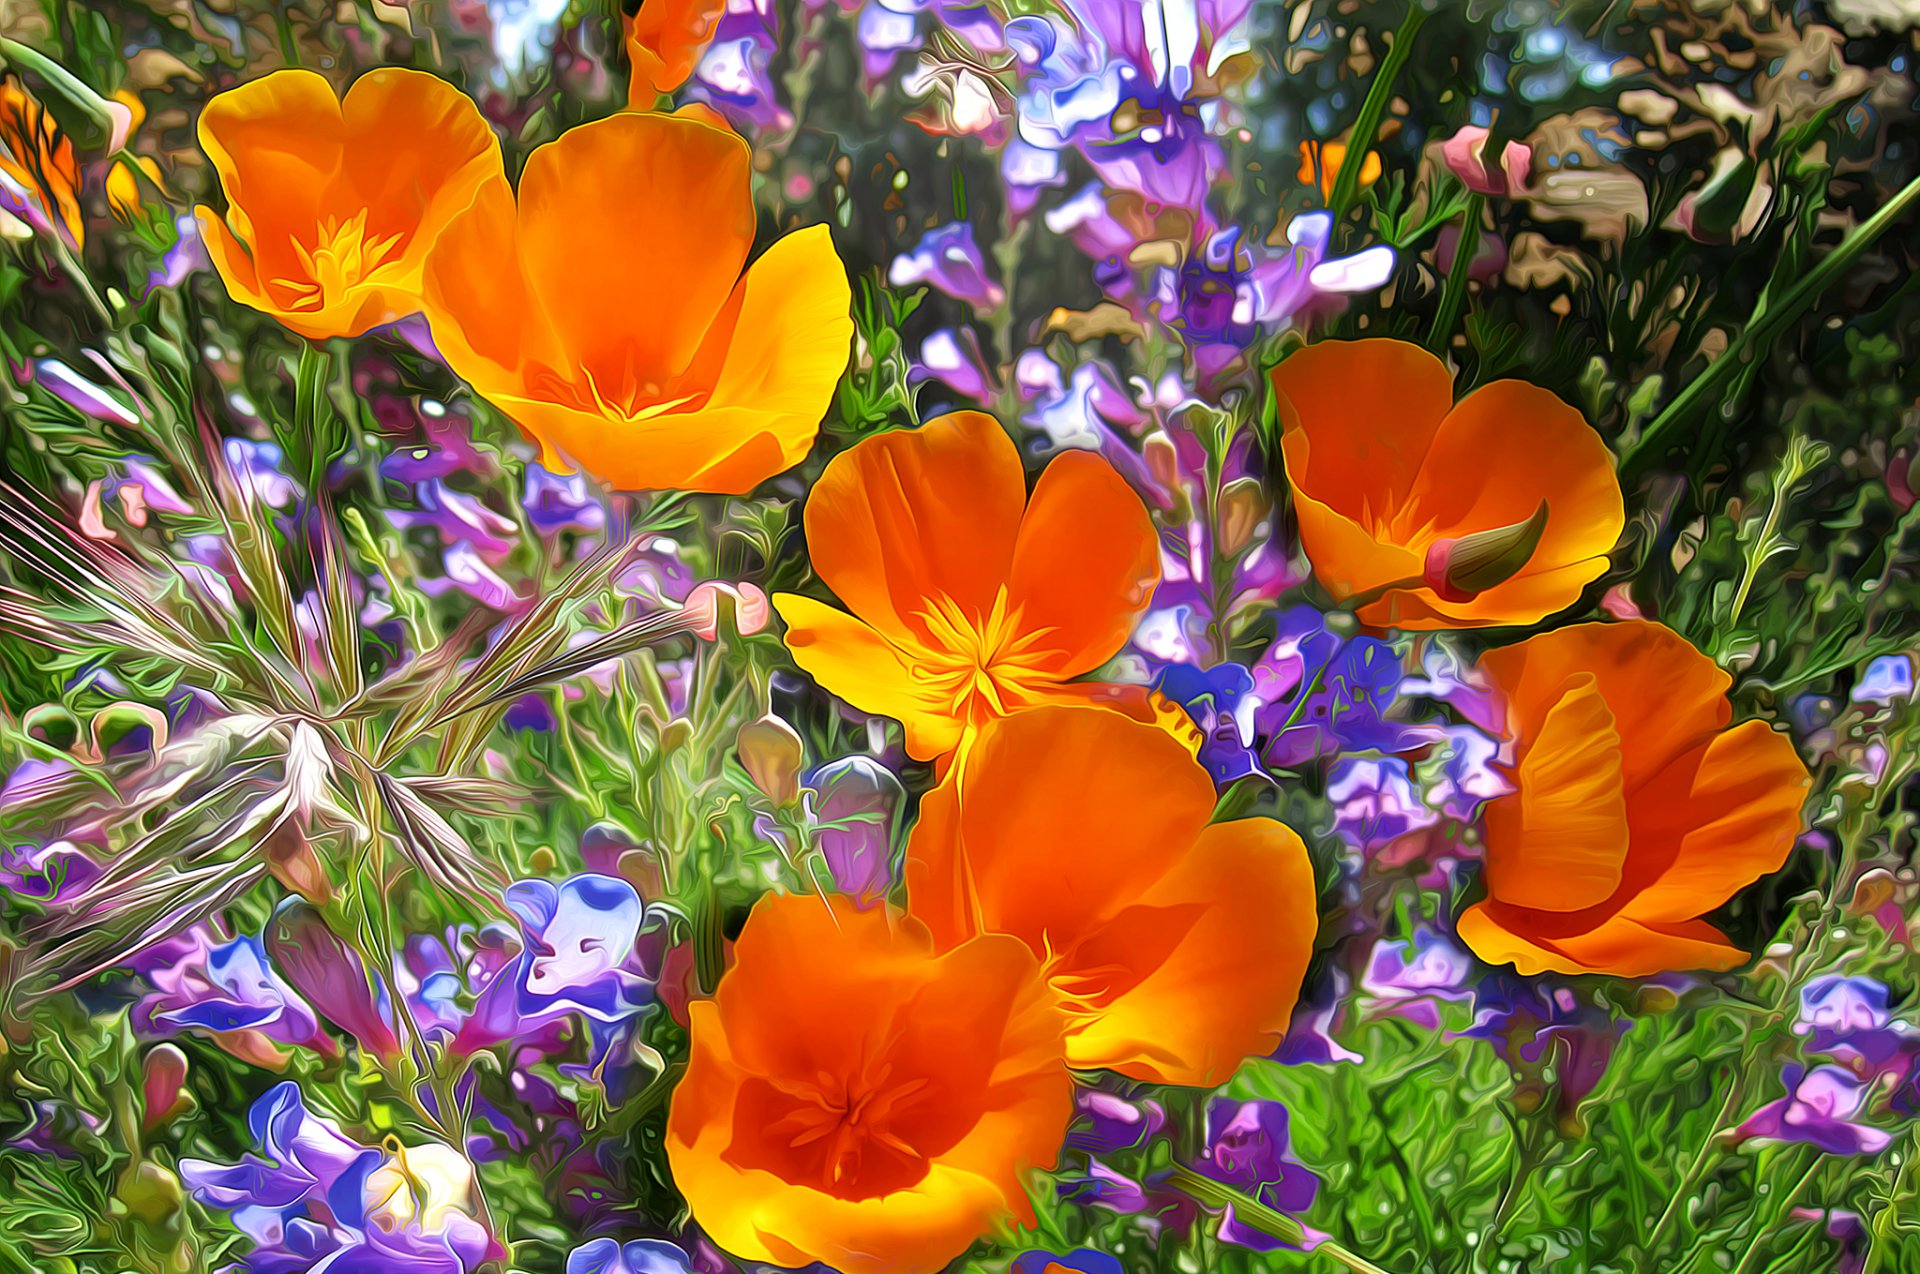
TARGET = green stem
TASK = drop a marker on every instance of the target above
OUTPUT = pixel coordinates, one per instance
(1765, 325)
(1346, 182)
(1214, 1194)
(1454, 291)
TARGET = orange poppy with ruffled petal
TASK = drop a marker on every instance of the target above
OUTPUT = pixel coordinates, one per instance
(665, 39)
(1176, 944)
(855, 1097)
(1387, 471)
(38, 168)
(333, 202)
(969, 600)
(1637, 807)
(605, 309)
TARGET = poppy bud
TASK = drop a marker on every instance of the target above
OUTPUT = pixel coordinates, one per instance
(163, 1081)
(1465, 156)
(747, 613)
(771, 753)
(295, 864)
(52, 725)
(1243, 506)
(1871, 892)
(151, 1193)
(1461, 569)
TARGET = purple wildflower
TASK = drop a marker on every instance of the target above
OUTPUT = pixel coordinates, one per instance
(856, 824)
(223, 989)
(1817, 1111)
(1408, 976)
(320, 1200)
(948, 259)
(638, 1256)
(1248, 1149)
(1375, 801)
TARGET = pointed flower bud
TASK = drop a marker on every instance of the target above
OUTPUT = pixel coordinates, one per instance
(163, 1082)
(1244, 505)
(856, 821)
(771, 753)
(1461, 569)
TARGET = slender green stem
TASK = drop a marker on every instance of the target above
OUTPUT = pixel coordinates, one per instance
(1454, 291)
(1346, 182)
(1249, 1210)
(1765, 325)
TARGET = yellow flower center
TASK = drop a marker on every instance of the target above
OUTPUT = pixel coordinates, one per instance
(981, 666)
(343, 258)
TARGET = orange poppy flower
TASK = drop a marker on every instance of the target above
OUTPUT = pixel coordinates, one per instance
(38, 171)
(856, 1098)
(1389, 475)
(1637, 807)
(332, 203)
(664, 42)
(1320, 165)
(969, 600)
(605, 310)
(1177, 946)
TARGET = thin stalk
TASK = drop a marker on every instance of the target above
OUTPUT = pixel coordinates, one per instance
(1454, 291)
(1246, 1208)
(1346, 182)
(1765, 326)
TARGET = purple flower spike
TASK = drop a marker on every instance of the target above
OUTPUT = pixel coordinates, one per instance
(1407, 977)
(317, 1199)
(457, 516)
(330, 975)
(1081, 1260)
(949, 259)
(1817, 1111)
(639, 1256)
(1248, 1149)
(227, 988)
(577, 941)
(556, 502)
(856, 823)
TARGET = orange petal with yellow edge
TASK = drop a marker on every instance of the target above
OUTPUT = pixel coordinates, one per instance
(1620, 946)
(1049, 823)
(1559, 842)
(633, 230)
(859, 664)
(1238, 913)
(1666, 697)
(956, 1058)
(904, 517)
(1715, 822)
(1084, 564)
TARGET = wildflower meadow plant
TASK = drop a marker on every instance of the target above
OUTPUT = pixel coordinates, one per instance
(897, 636)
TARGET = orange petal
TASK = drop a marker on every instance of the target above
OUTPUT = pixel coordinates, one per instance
(415, 151)
(485, 319)
(1356, 419)
(276, 144)
(633, 229)
(1666, 697)
(1049, 823)
(664, 42)
(1559, 843)
(860, 665)
(961, 1054)
(1239, 910)
(1496, 456)
(1619, 946)
(1715, 822)
(1084, 565)
(903, 518)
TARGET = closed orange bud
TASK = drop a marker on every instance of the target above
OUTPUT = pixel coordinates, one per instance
(969, 600)
(605, 309)
(332, 202)
(664, 42)
(1386, 469)
(1176, 944)
(855, 1098)
(1637, 807)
